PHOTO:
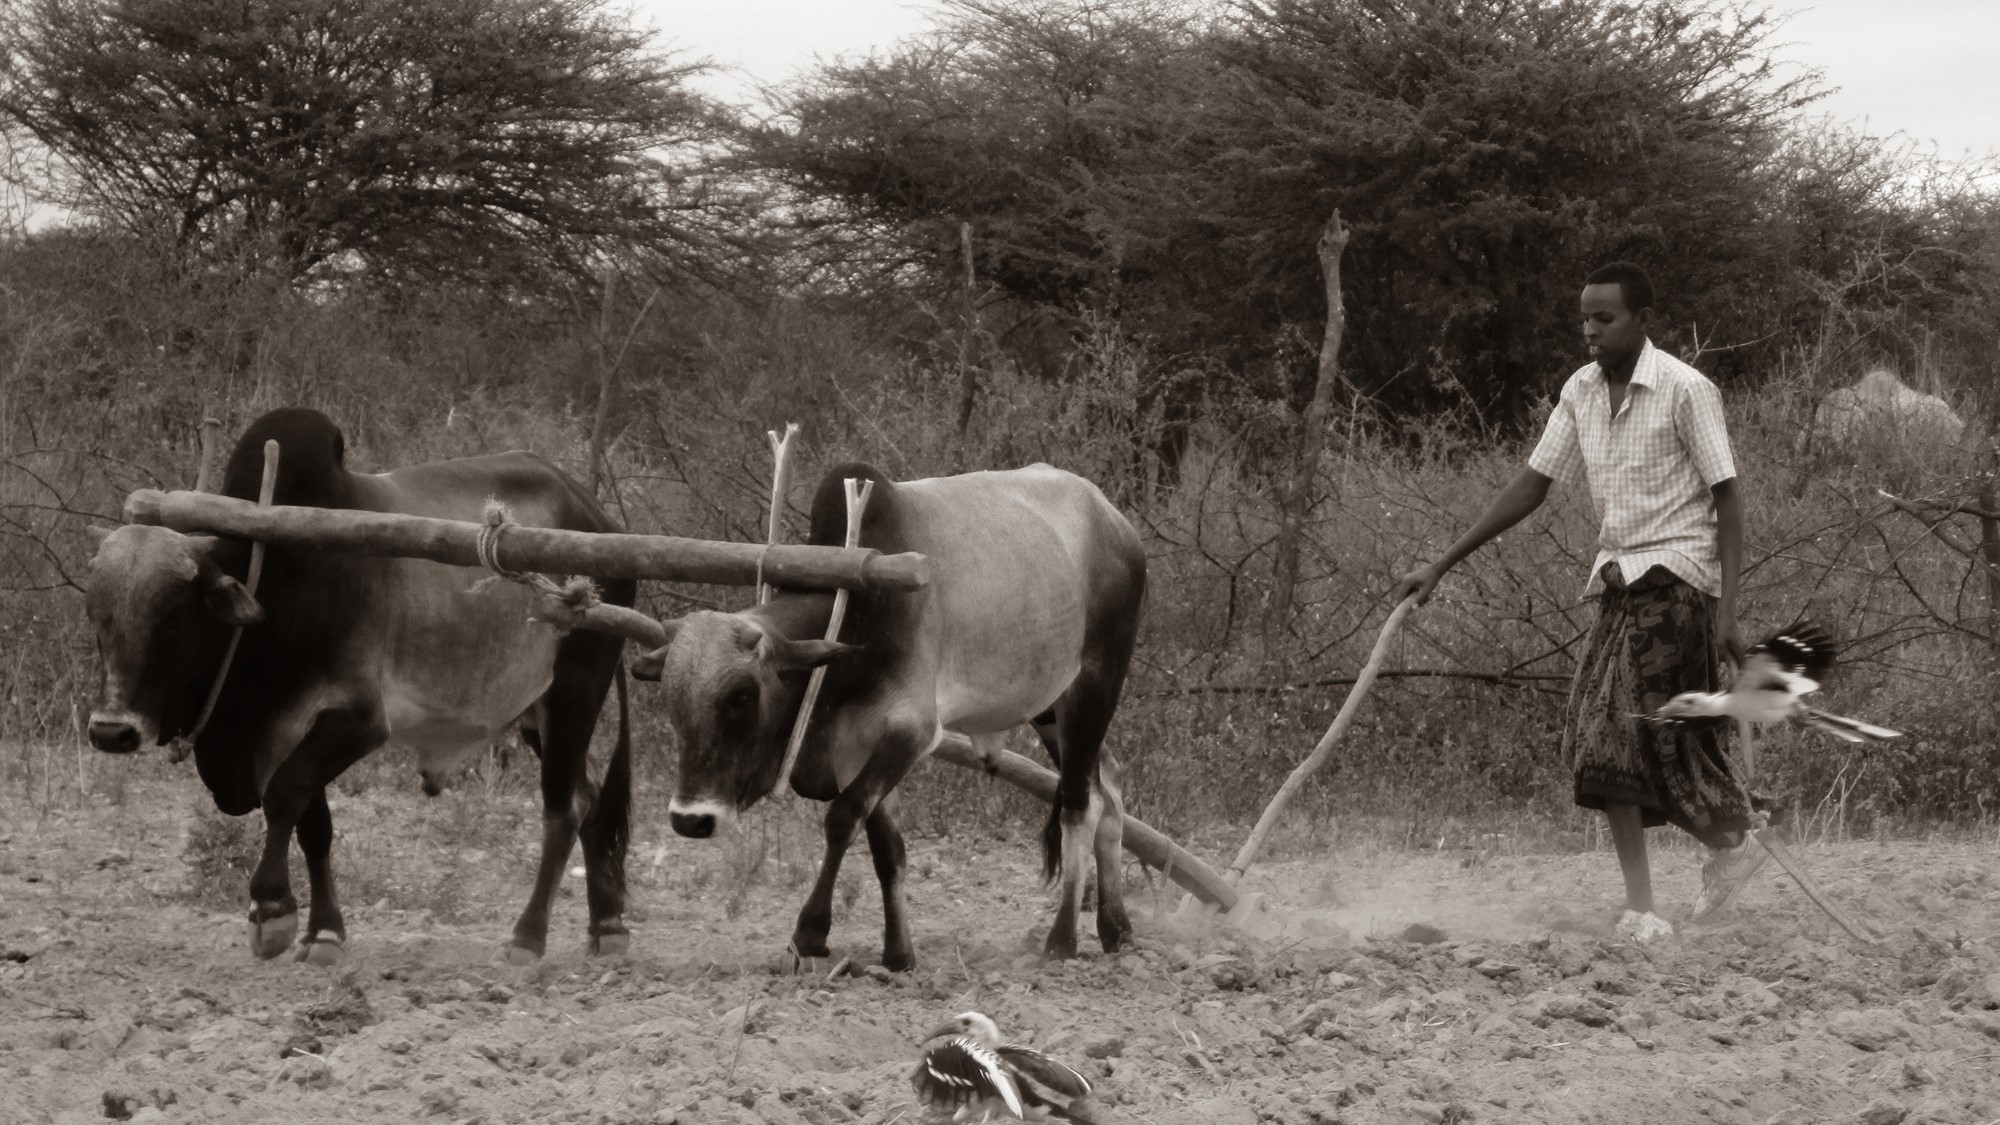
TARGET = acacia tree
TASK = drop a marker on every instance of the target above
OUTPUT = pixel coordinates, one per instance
(1031, 122)
(1177, 170)
(416, 137)
(1487, 153)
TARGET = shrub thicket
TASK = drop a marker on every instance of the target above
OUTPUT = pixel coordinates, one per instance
(1136, 358)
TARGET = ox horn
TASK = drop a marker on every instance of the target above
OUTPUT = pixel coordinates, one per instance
(792, 655)
(647, 665)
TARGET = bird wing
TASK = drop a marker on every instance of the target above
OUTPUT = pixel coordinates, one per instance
(959, 1071)
(1840, 726)
(1803, 649)
(1040, 1068)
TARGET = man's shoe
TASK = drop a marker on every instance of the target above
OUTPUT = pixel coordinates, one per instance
(1724, 873)
(1642, 928)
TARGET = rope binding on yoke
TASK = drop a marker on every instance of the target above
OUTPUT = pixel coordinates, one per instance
(564, 602)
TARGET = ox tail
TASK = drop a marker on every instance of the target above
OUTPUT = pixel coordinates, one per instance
(618, 772)
(1052, 842)
(611, 812)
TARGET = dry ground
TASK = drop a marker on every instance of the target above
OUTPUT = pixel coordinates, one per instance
(126, 988)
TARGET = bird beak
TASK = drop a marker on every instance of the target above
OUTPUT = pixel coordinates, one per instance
(940, 1030)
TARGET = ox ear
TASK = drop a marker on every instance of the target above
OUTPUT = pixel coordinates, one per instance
(647, 666)
(790, 655)
(97, 534)
(227, 601)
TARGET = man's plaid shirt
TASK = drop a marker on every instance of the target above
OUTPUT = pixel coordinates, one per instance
(1649, 469)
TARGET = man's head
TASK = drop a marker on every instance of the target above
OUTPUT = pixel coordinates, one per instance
(1617, 303)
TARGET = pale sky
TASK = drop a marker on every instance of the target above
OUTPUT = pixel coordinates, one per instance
(1927, 68)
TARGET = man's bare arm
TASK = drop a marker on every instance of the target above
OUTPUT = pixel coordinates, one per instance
(1521, 496)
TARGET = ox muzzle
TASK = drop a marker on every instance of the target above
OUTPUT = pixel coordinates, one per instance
(116, 734)
(699, 819)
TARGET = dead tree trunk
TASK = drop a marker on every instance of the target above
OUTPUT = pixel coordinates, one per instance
(607, 379)
(1295, 501)
(968, 375)
(1989, 540)
(604, 369)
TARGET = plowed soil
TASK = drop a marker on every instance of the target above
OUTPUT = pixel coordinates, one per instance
(1466, 986)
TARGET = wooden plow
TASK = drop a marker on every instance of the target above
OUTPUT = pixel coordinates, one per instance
(530, 554)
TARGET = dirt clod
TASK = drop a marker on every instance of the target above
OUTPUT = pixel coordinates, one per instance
(1870, 1030)
(1103, 1047)
(1881, 1111)
(1422, 933)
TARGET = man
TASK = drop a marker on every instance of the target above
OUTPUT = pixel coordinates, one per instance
(1645, 432)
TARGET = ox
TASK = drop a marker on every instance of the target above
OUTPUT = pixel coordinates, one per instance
(1030, 617)
(341, 653)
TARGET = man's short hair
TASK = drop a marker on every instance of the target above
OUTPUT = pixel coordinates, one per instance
(1633, 284)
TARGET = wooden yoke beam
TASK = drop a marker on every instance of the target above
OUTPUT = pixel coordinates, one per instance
(538, 549)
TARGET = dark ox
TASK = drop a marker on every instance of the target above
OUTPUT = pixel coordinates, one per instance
(1030, 617)
(341, 653)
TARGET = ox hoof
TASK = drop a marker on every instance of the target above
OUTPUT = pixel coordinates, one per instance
(274, 935)
(807, 956)
(324, 950)
(1057, 950)
(520, 955)
(610, 945)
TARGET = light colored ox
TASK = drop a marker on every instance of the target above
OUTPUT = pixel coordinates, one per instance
(1030, 618)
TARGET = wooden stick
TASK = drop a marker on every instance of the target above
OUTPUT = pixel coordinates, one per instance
(204, 473)
(1774, 844)
(1749, 739)
(540, 549)
(781, 484)
(1320, 753)
(1151, 846)
(857, 503)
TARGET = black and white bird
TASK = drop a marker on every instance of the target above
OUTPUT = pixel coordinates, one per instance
(978, 1077)
(1771, 686)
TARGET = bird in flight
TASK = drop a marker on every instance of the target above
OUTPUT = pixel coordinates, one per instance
(977, 1076)
(1771, 686)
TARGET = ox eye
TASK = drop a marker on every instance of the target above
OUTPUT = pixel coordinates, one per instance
(739, 702)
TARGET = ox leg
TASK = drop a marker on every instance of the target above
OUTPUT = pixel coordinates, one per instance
(564, 721)
(885, 845)
(844, 814)
(605, 833)
(1079, 833)
(274, 913)
(895, 752)
(326, 932)
(1078, 829)
(295, 801)
(559, 825)
(1114, 928)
